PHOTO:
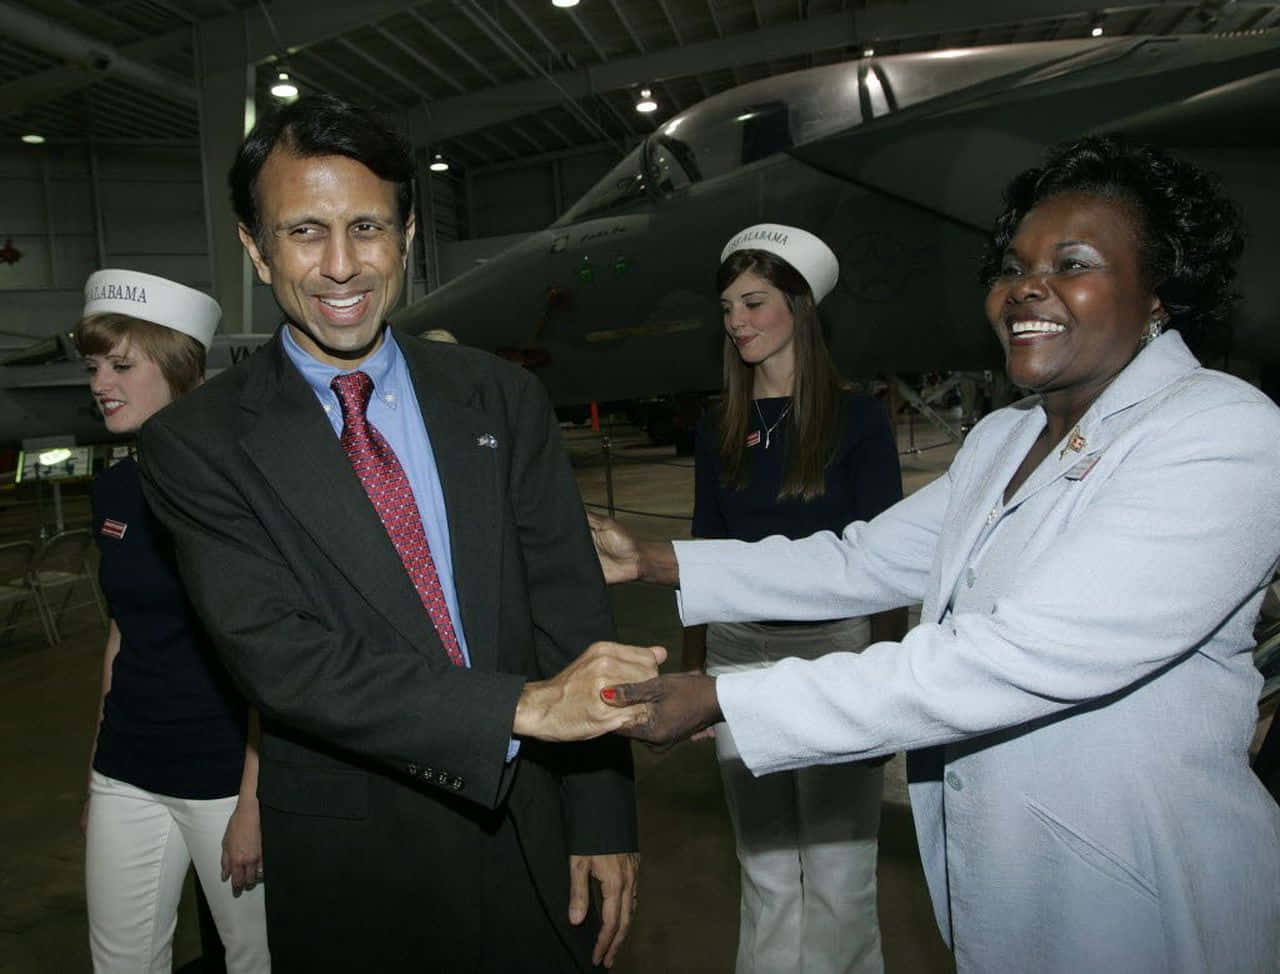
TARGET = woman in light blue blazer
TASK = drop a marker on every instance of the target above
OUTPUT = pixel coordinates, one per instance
(1079, 696)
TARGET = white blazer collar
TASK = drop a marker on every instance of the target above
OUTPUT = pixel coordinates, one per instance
(1161, 363)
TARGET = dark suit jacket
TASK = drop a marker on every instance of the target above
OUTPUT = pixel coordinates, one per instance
(385, 791)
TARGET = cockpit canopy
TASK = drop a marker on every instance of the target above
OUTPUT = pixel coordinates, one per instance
(754, 121)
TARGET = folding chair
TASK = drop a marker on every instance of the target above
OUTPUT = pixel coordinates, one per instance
(63, 562)
(16, 588)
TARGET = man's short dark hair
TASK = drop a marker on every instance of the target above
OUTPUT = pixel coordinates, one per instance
(321, 125)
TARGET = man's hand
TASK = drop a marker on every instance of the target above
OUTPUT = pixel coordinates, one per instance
(617, 550)
(668, 709)
(242, 847)
(570, 706)
(624, 559)
(618, 875)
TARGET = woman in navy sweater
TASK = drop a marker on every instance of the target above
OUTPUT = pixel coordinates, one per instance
(790, 450)
(173, 777)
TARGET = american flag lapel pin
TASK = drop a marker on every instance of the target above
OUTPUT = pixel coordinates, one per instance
(114, 529)
(1080, 469)
(487, 439)
(753, 438)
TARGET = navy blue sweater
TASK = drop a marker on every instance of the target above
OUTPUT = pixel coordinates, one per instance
(862, 480)
(173, 722)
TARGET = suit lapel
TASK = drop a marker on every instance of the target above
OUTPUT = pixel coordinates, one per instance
(289, 439)
(1162, 362)
(469, 447)
(1153, 369)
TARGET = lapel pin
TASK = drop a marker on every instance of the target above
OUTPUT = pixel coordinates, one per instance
(1075, 443)
(487, 439)
(114, 529)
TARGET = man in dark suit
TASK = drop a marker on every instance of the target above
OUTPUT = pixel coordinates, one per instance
(386, 541)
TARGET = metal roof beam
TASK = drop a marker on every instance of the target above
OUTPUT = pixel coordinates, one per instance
(380, 65)
(453, 45)
(548, 124)
(487, 23)
(299, 23)
(626, 25)
(302, 23)
(590, 148)
(590, 38)
(420, 59)
(671, 22)
(88, 57)
(715, 16)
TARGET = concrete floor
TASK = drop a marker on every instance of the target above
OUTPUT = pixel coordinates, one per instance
(688, 921)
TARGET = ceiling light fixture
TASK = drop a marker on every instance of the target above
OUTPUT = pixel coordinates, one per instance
(564, 3)
(284, 88)
(646, 104)
(1096, 29)
(868, 51)
(438, 164)
(32, 139)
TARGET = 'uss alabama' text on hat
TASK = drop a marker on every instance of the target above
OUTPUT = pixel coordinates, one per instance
(154, 299)
(812, 258)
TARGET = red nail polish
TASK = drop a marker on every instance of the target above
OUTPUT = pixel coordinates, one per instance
(608, 693)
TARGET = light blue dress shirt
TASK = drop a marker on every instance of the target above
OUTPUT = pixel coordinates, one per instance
(393, 409)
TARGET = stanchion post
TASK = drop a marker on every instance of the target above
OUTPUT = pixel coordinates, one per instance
(606, 444)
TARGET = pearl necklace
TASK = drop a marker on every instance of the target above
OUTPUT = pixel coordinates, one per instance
(768, 430)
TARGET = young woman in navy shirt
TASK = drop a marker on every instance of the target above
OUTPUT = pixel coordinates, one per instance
(174, 771)
(791, 450)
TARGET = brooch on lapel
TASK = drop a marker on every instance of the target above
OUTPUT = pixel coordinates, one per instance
(487, 439)
(1075, 443)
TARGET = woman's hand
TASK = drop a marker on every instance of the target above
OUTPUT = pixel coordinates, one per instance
(618, 552)
(675, 706)
(242, 847)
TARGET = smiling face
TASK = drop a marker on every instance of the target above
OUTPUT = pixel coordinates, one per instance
(335, 252)
(1069, 304)
(758, 320)
(128, 387)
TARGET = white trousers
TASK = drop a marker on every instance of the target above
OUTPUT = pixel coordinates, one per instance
(138, 847)
(806, 839)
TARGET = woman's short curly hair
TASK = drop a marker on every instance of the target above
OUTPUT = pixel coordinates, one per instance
(1189, 231)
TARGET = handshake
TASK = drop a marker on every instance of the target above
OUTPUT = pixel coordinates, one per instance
(615, 687)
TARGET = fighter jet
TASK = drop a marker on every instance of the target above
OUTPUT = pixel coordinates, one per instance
(898, 163)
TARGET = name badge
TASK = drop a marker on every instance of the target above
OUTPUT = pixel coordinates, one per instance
(1081, 468)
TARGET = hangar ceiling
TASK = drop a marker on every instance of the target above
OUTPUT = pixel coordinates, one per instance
(487, 82)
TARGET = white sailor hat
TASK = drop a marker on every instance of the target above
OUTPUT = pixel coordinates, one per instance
(154, 299)
(812, 258)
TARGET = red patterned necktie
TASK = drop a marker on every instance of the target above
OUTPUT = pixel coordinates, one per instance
(384, 480)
